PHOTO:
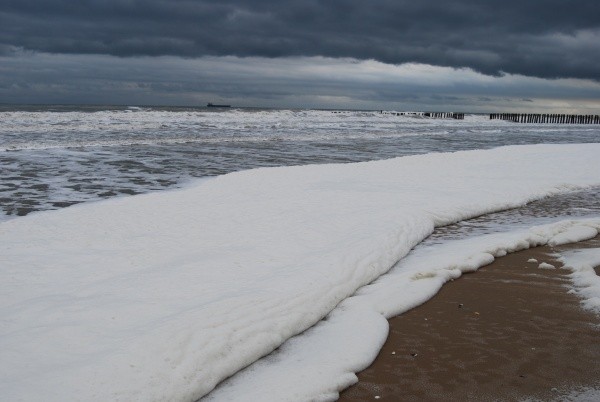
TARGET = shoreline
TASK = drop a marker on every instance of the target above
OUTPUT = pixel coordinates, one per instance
(510, 331)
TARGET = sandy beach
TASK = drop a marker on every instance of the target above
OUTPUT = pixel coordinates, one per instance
(510, 331)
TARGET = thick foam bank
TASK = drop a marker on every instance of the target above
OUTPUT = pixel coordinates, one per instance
(161, 296)
(322, 361)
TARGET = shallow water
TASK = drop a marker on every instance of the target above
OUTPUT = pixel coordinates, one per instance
(55, 156)
(577, 204)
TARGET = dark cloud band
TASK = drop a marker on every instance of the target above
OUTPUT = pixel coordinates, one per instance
(542, 38)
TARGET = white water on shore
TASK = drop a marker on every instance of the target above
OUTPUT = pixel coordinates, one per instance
(320, 362)
(586, 281)
(161, 296)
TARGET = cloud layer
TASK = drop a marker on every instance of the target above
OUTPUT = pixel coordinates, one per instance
(284, 82)
(539, 38)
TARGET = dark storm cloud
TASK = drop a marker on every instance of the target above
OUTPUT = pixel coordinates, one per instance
(543, 38)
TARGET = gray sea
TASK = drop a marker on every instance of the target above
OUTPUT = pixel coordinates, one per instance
(55, 156)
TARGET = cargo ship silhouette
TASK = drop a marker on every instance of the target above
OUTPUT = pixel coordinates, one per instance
(213, 105)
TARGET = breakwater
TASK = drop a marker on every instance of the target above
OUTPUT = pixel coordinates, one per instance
(547, 118)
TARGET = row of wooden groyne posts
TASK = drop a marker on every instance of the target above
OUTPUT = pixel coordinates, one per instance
(514, 117)
(547, 118)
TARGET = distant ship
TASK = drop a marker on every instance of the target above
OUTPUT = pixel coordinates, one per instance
(213, 105)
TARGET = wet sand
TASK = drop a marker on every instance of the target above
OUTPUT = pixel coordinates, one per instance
(508, 332)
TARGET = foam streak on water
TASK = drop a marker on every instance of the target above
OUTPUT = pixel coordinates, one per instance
(55, 156)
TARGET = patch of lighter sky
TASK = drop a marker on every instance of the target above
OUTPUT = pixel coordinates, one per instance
(285, 82)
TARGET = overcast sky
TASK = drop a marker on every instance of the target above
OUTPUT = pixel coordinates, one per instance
(471, 55)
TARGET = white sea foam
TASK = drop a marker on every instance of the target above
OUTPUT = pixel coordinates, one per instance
(545, 265)
(586, 281)
(323, 360)
(577, 233)
(584, 394)
(577, 394)
(161, 296)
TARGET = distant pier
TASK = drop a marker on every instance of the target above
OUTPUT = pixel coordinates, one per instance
(547, 118)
